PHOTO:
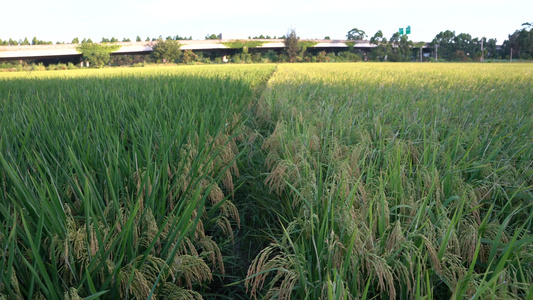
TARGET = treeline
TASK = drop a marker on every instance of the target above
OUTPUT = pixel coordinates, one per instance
(34, 41)
(76, 40)
(266, 37)
(463, 47)
(248, 52)
(448, 46)
(520, 43)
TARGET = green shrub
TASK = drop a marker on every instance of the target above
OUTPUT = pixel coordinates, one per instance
(97, 55)
(166, 51)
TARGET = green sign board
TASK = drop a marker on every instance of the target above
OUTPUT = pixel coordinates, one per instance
(407, 30)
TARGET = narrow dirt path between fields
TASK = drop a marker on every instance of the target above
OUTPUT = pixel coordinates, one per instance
(253, 200)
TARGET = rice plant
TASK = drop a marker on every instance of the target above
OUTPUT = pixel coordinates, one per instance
(308, 181)
(118, 184)
(400, 182)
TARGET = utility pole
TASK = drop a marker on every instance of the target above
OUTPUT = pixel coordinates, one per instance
(436, 51)
(482, 53)
(421, 46)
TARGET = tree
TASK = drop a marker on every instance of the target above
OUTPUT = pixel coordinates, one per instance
(189, 57)
(75, 41)
(126, 40)
(462, 47)
(382, 51)
(464, 42)
(444, 41)
(97, 55)
(166, 51)
(291, 45)
(34, 41)
(327, 37)
(491, 49)
(356, 35)
(377, 38)
(211, 37)
(179, 38)
(403, 50)
(25, 42)
(147, 39)
(398, 48)
(395, 38)
(521, 43)
(113, 40)
(138, 39)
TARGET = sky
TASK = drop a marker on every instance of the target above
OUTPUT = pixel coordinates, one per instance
(62, 20)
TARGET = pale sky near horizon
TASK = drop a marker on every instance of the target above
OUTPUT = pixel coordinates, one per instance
(63, 20)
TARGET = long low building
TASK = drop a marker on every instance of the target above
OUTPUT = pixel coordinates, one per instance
(27, 52)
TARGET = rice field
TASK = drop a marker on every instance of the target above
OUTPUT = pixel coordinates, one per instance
(307, 181)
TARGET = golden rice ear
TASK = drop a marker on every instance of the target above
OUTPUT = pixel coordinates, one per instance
(171, 291)
(229, 210)
(225, 225)
(396, 237)
(215, 194)
(142, 191)
(227, 182)
(432, 251)
(290, 279)
(336, 249)
(261, 110)
(468, 237)
(150, 229)
(72, 294)
(276, 179)
(453, 269)
(378, 266)
(151, 267)
(133, 282)
(13, 287)
(191, 269)
(272, 159)
(213, 252)
(257, 272)
(272, 143)
(39, 296)
(287, 274)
